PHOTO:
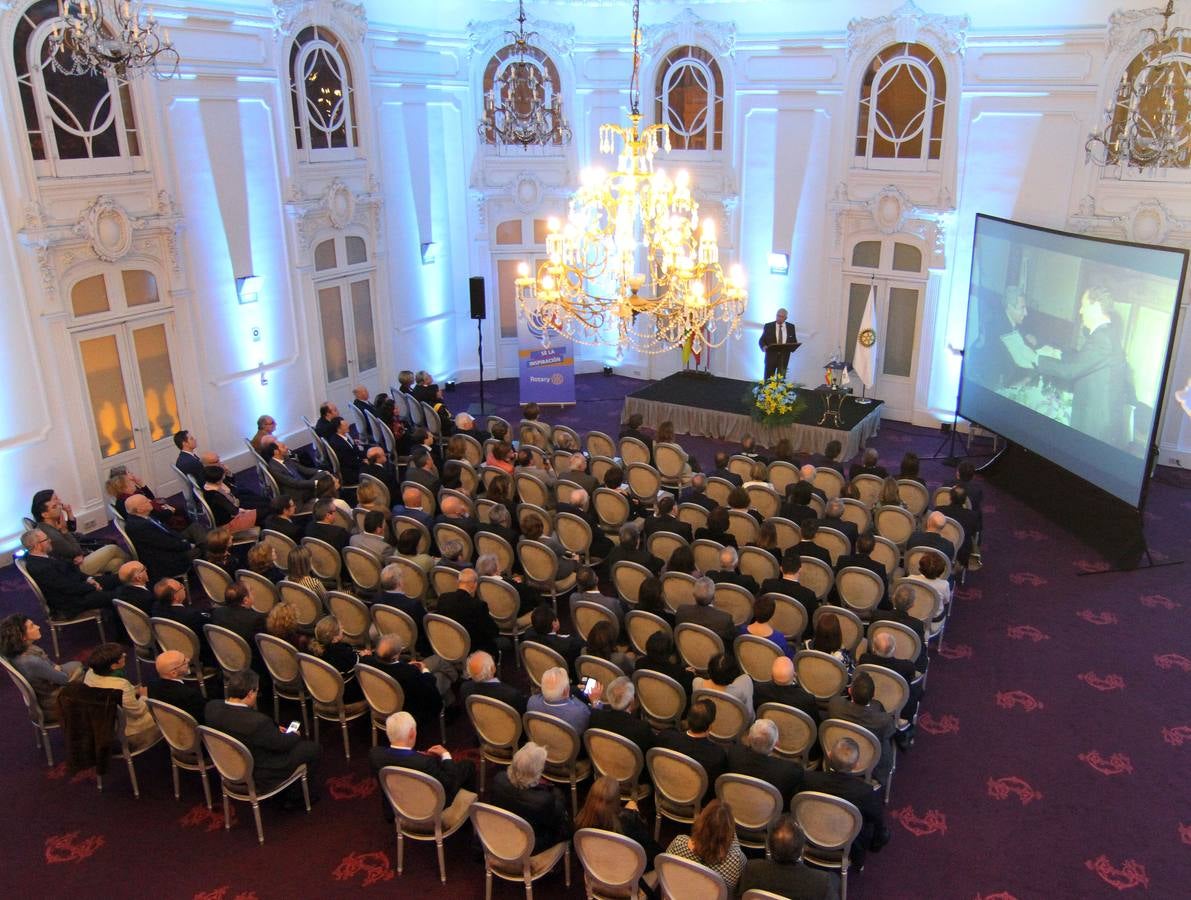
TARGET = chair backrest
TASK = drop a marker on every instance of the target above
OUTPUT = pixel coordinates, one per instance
(869, 487)
(681, 878)
(829, 822)
(281, 544)
(32, 707)
(415, 797)
(829, 481)
(707, 554)
(742, 526)
(928, 603)
(571, 441)
(820, 674)
(693, 514)
(906, 643)
(585, 614)
(444, 579)
(560, 739)
(677, 777)
(914, 557)
(506, 836)
(173, 635)
(851, 628)
(734, 600)
(136, 623)
(832, 730)
(764, 499)
(758, 563)
(473, 452)
(644, 481)
(384, 695)
(531, 489)
(599, 444)
(574, 532)
(323, 681)
(756, 655)
(308, 606)
(718, 489)
(390, 620)
(671, 461)
(788, 532)
(527, 511)
(614, 755)
(380, 487)
(886, 552)
(429, 501)
(914, 495)
(431, 420)
(612, 863)
(415, 583)
(325, 561)
(816, 575)
(662, 544)
(789, 616)
(632, 450)
(401, 523)
(445, 531)
(796, 731)
(662, 699)
(232, 759)
(755, 804)
(833, 541)
(859, 588)
(352, 614)
(213, 579)
(627, 577)
(364, 568)
(731, 715)
(261, 591)
(611, 506)
(600, 669)
(890, 688)
(600, 464)
(448, 638)
(697, 645)
(231, 651)
(639, 625)
(502, 600)
(894, 522)
(178, 727)
(563, 488)
(678, 589)
(497, 724)
(539, 561)
(484, 514)
(537, 658)
(280, 658)
(782, 474)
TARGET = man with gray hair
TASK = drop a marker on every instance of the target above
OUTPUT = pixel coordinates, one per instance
(480, 671)
(697, 493)
(840, 778)
(755, 758)
(833, 518)
(457, 777)
(902, 600)
(630, 550)
(520, 790)
(807, 474)
(932, 536)
(701, 612)
(471, 612)
(729, 571)
(425, 691)
(68, 592)
(618, 714)
(556, 700)
(578, 473)
(880, 653)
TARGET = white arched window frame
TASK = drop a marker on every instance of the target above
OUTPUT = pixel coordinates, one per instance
(322, 97)
(75, 124)
(548, 76)
(901, 109)
(689, 98)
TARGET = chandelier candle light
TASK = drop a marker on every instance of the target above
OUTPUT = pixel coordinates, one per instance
(122, 43)
(633, 257)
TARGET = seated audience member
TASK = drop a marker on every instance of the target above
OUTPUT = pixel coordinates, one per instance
(716, 528)
(471, 612)
(738, 499)
(134, 586)
(423, 696)
(763, 610)
(465, 423)
(901, 601)
(172, 601)
(457, 777)
(932, 536)
(965, 477)
(422, 470)
(123, 485)
(105, 669)
(618, 714)
(56, 521)
(797, 505)
(405, 381)
(601, 643)
(587, 589)
(377, 465)
(392, 587)
(890, 495)
(783, 872)
(411, 507)
(701, 612)
(265, 426)
(300, 570)
(665, 520)
(842, 777)
(712, 843)
(862, 557)
(696, 743)
(68, 592)
(481, 679)
(325, 427)
(294, 480)
(452, 556)
(360, 400)
(407, 547)
(682, 560)
(528, 597)
(18, 644)
(749, 448)
(578, 473)
(225, 506)
(500, 492)
(161, 550)
(454, 511)
(219, 550)
(237, 615)
(724, 674)
(281, 518)
(372, 538)
(807, 474)
(783, 689)
(632, 428)
(729, 571)
(649, 599)
(880, 653)
(859, 706)
(369, 497)
(758, 475)
(500, 456)
(767, 541)
(754, 757)
(500, 523)
(282, 622)
(603, 810)
(323, 525)
(329, 646)
(930, 571)
(172, 667)
(580, 505)
(630, 550)
(910, 468)
(543, 629)
(660, 656)
(531, 530)
(424, 387)
(555, 698)
(828, 638)
(262, 560)
(833, 518)
(721, 470)
(807, 546)
(870, 464)
(521, 790)
(697, 493)
(829, 458)
(276, 754)
(967, 519)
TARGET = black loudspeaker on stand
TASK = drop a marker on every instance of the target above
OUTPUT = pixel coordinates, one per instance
(479, 312)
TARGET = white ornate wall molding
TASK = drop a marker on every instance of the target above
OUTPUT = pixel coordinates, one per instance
(1127, 27)
(688, 28)
(486, 37)
(908, 23)
(890, 211)
(336, 208)
(1149, 221)
(348, 20)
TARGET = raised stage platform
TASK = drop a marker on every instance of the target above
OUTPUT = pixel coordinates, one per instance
(720, 408)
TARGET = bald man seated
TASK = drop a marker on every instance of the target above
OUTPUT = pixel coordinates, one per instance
(163, 551)
(932, 536)
(169, 687)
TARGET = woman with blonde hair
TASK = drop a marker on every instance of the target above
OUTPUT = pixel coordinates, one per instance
(300, 570)
(368, 497)
(282, 622)
(889, 495)
(329, 646)
(262, 559)
(712, 843)
(219, 550)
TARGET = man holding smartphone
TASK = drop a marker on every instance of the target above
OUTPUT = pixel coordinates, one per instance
(457, 777)
(556, 700)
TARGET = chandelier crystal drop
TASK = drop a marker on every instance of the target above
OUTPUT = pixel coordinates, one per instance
(634, 265)
(1148, 124)
(516, 110)
(121, 41)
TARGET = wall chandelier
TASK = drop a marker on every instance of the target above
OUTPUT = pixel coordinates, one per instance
(515, 110)
(633, 256)
(1148, 124)
(86, 40)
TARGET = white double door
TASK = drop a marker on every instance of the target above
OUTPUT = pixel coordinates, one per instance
(349, 351)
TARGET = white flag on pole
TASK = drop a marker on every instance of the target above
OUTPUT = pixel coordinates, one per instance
(864, 356)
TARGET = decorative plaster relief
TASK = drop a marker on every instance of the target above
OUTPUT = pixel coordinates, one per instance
(487, 37)
(105, 225)
(1149, 221)
(908, 23)
(349, 20)
(891, 212)
(337, 208)
(688, 28)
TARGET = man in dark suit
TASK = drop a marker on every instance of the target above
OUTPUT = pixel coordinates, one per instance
(870, 464)
(861, 557)
(880, 653)
(968, 520)
(783, 873)
(782, 689)
(360, 400)
(701, 612)
(859, 706)
(323, 427)
(833, 518)
(617, 714)
(500, 523)
(411, 506)
(902, 600)
(170, 688)
(932, 536)
(423, 698)
(322, 525)
(454, 512)
(162, 551)
(482, 680)
(457, 777)
(466, 424)
(587, 589)
(696, 743)
(293, 479)
(807, 546)
(237, 615)
(471, 612)
(755, 758)
(346, 451)
(188, 462)
(134, 586)
(393, 594)
(376, 464)
(840, 778)
(630, 549)
(829, 458)
(665, 520)
(729, 572)
(281, 518)
(521, 790)
(632, 428)
(422, 470)
(787, 583)
(543, 629)
(171, 601)
(721, 470)
(697, 493)
(797, 505)
(773, 335)
(68, 592)
(275, 752)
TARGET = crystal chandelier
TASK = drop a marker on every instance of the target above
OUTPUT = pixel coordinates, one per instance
(633, 254)
(515, 110)
(1148, 124)
(121, 42)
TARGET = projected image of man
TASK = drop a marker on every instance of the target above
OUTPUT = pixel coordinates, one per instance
(1005, 338)
(1096, 372)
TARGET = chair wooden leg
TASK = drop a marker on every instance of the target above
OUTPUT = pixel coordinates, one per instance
(442, 862)
(483, 772)
(202, 682)
(442, 725)
(400, 847)
(206, 784)
(487, 883)
(136, 788)
(102, 634)
(566, 864)
(347, 749)
(657, 823)
(227, 813)
(305, 718)
(276, 707)
(256, 814)
(306, 792)
(54, 638)
(174, 773)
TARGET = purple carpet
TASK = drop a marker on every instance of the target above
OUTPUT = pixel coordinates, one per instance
(1050, 759)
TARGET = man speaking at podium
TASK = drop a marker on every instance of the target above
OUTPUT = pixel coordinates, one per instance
(776, 340)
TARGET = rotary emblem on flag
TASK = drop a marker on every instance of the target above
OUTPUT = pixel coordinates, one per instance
(867, 338)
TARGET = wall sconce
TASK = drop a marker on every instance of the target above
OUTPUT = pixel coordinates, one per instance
(429, 252)
(248, 288)
(779, 263)
(264, 378)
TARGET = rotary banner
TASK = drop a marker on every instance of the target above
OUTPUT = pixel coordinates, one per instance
(864, 356)
(548, 375)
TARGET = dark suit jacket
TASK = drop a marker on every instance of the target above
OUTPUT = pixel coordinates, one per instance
(422, 699)
(447, 772)
(858, 469)
(810, 548)
(624, 724)
(244, 621)
(275, 754)
(727, 475)
(467, 523)
(859, 561)
(788, 880)
(748, 582)
(140, 597)
(418, 515)
(293, 479)
(350, 458)
(508, 534)
(857, 791)
(783, 774)
(848, 529)
(568, 646)
(412, 608)
(675, 670)
(189, 464)
(66, 588)
(970, 522)
(335, 535)
(192, 618)
(288, 527)
(655, 524)
(709, 617)
(915, 625)
(426, 479)
(641, 556)
(799, 592)
(707, 753)
(769, 334)
(797, 513)
(930, 539)
(162, 551)
(497, 690)
(639, 435)
(186, 697)
(727, 538)
(387, 475)
(688, 495)
(1097, 375)
(472, 613)
(541, 806)
(786, 694)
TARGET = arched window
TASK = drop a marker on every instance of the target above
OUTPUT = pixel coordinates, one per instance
(540, 88)
(321, 93)
(902, 101)
(690, 99)
(1160, 99)
(73, 122)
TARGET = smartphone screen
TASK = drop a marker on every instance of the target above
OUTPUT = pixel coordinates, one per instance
(587, 685)
(293, 727)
